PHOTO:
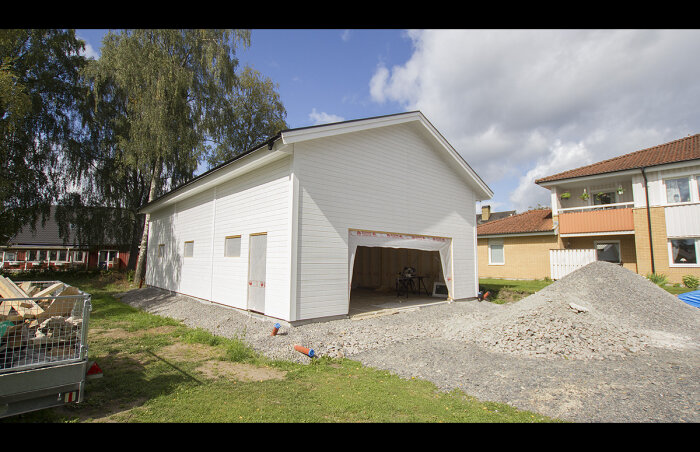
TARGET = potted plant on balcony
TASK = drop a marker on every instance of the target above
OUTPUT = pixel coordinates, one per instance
(566, 195)
(584, 195)
(620, 190)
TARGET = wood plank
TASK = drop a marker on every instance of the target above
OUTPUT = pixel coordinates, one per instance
(49, 290)
(9, 289)
(60, 307)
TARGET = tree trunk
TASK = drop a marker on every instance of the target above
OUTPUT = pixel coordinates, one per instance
(141, 262)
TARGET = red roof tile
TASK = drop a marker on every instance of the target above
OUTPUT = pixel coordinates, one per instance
(675, 151)
(537, 220)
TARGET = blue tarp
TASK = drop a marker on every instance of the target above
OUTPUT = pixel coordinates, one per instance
(692, 298)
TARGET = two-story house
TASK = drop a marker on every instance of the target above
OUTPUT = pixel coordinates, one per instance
(641, 210)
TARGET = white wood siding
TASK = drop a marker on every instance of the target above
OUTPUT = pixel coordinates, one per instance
(255, 202)
(388, 179)
(683, 221)
(563, 262)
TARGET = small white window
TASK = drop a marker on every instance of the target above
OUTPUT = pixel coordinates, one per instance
(683, 252)
(232, 246)
(62, 255)
(78, 256)
(677, 190)
(608, 251)
(496, 252)
(189, 249)
(10, 256)
(161, 249)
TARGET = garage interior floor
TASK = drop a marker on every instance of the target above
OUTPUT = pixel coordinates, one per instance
(369, 302)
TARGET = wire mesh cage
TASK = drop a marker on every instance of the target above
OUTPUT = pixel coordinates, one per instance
(44, 329)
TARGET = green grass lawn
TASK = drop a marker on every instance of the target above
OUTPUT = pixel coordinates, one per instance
(156, 369)
(509, 290)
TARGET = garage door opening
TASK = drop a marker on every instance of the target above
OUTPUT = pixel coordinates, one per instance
(379, 264)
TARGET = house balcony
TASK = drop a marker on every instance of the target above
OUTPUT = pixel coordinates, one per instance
(599, 219)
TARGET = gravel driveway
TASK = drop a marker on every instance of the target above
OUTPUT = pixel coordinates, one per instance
(601, 345)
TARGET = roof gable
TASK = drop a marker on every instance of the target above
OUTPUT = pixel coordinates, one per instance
(680, 150)
(278, 146)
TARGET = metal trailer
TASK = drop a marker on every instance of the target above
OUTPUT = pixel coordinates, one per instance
(44, 358)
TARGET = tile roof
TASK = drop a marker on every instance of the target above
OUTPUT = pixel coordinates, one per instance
(494, 216)
(680, 150)
(536, 220)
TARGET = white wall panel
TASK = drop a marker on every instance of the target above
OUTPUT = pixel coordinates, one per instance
(255, 202)
(683, 221)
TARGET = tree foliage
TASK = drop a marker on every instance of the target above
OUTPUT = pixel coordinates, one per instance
(161, 103)
(39, 109)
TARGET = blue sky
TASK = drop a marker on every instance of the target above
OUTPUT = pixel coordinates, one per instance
(517, 104)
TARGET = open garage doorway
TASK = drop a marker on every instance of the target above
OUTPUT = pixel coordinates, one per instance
(390, 271)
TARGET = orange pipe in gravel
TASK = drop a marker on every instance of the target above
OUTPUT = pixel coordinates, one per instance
(307, 351)
(275, 329)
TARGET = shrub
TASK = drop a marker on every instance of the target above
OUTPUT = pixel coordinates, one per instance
(657, 278)
(691, 282)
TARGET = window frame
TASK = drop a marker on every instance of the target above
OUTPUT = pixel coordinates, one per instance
(500, 242)
(692, 180)
(671, 263)
(82, 256)
(161, 250)
(184, 250)
(608, 242)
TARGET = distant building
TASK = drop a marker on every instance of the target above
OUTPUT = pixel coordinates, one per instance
(44, 248)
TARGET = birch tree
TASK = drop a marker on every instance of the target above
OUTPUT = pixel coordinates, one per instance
(159, 101)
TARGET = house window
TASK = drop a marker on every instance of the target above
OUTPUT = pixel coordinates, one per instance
(604, 198)
(62, 255)
(608, 251)
(161, 249)
(36, 255)
(10, 256)
(496, 252)
(78, 256)
(683, 252)
(232, 246)
(677, 190)
(189, 249)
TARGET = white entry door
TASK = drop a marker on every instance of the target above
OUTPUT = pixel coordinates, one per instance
(256, 272)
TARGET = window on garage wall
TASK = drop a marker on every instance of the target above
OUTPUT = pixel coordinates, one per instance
(189, 249)
(232, 246)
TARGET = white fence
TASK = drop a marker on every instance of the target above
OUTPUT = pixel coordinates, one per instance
(563, 262)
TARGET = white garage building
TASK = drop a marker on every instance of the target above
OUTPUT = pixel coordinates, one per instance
(277, 229)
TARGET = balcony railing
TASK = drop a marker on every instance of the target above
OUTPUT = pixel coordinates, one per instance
(617, 205)
(596, 219)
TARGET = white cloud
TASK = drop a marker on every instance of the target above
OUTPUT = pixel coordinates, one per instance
(323, 118)
(511, 100)
(345, 35)
(560, 157)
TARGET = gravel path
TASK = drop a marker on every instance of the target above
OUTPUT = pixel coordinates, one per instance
(601, 345)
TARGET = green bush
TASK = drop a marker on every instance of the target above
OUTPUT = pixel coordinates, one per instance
(658, 278)
(691, 282)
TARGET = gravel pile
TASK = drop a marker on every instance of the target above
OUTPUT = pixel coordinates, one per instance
(599, 311)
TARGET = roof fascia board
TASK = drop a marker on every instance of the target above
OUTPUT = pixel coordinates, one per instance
(515, 234)
(660, 167)
(261, 156)
(312, 133)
